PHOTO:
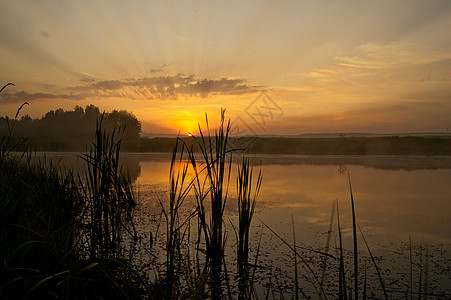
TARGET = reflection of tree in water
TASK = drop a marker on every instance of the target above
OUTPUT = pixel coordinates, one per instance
(342, 169)
(383, 162)
(131, 166)
(72, 161)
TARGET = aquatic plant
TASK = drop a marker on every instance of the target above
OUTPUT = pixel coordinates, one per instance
(110, 196)
(246, 198)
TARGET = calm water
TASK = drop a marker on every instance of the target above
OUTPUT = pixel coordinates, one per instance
(397, 199)
(401, 198)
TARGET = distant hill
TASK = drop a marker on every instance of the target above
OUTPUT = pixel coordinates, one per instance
(321, 135)
(431, 145)
(157, 135)
(358, 134)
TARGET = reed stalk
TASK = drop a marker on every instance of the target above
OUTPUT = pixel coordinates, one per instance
(110, 195)
(342, 290)
(379, 275)
(354, 235)
(296, 279)
(178, 190)
(246, 196)
(216, 167)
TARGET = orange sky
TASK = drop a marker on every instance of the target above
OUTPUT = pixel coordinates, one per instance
(279, 67)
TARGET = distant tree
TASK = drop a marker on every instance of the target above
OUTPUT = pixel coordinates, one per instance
(79, 111)
(124, 121)
(26, 119)
(78, 124)
(91, 112)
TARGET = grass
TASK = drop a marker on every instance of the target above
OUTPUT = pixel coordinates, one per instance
(60, 233)
(246, 207)
(109, 195)
(354, 235)
(42, 253)
(212, 181)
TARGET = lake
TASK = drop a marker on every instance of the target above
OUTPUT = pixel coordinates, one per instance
(402, 206)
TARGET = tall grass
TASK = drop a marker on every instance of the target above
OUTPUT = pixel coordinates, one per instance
(342, 290)
(246, 207)
(109, 193)
(212, 179)
(5, 142)
(43, 222)
(210, 160)
(178, 191)
(296, 276)
(354, 235)
(246, 196)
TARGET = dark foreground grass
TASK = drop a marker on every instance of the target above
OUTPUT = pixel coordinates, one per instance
(59, 233)
(40, 244)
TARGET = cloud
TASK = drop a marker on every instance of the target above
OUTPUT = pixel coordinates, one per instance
(222, 86)
(380, 73)
(374, 63)
(23, 96)
(375, 56)
(145, 88)
(168, 87)
(86, 80)
(156, 70)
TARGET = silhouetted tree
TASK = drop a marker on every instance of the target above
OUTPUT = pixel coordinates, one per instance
(77, 124)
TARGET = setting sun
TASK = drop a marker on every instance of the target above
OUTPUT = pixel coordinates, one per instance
(164, 59)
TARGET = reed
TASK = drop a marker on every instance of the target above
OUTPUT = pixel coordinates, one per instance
(246, 197)
(40, 245)
(213, 179)
(296, 279)
(381, 281)
(46, 214)
(326, 248)
(178, 190)
(354, 235)
(316, 281)
(110, 196)
(342, 290)
(5, 142)
(410, 286)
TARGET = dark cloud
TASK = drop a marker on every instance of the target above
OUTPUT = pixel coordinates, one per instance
(153, 71)
(24, 96)
(87, 80)
(102, 85)
(169, 87)
(223, 86)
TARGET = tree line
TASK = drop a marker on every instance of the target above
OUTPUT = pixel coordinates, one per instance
(71, 126)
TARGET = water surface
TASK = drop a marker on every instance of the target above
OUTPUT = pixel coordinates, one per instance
(402, 203)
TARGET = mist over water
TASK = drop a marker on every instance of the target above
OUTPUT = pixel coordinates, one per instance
(396, 196)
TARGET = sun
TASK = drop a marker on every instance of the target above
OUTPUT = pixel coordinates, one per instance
(185, 125)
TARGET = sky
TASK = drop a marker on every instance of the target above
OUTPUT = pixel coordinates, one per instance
(278, 67)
